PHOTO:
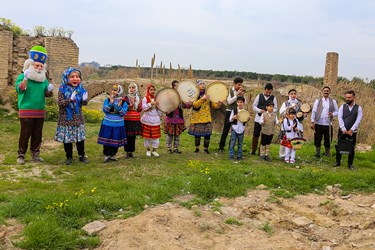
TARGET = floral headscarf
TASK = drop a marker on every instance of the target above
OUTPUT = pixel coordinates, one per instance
(135, 95)
(148, 95)
(67, 90)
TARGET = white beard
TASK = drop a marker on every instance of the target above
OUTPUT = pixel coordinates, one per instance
(37, 75)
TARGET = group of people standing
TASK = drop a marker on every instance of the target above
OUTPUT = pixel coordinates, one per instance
(128, 116)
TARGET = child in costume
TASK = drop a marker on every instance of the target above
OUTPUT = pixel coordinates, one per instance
(71, 123)
(200, 120)
(291, 127)
(32, 88)
(132, 118)
(238, 129)
(112, 133)
(175, 125)
(268, 121)
(151, 121)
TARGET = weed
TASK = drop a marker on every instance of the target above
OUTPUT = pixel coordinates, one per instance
(233, 221)
(266, 227)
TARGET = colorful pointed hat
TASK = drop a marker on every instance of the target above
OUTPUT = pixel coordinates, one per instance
(38, 54)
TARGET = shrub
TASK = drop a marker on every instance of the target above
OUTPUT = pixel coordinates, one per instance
(13, 99)
(92, 116)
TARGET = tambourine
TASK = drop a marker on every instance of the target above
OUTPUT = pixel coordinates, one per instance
(243, 115)
(297, 143)
(188, 91)
(305, 108)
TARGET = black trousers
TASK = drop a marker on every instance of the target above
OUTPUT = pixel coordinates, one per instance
(350, 156)
(68, 147)
(30, 128)
(130, 145)
(266, 139)
(320, 132)
(257, 129)
(109, 151)
(224, 134)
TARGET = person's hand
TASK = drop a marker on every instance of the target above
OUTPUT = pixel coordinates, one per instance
(119, 103)
(73, 96)
(219, 103)
(235, 117)
(330, 114)
(312, 126)
(350, 132)
(26, 74)
(50, 87)
(85, 96)
(262, 111)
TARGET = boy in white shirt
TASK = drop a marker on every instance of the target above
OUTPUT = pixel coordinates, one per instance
(238, 129)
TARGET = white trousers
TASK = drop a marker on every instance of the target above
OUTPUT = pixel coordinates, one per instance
(290, 153)
(151, 142)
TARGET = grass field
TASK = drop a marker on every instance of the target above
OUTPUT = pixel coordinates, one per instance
(54, 201)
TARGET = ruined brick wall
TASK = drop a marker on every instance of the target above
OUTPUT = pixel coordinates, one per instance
(6, 47)
(331, 69)
(62, 53)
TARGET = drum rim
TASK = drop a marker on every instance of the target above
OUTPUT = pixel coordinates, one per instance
(163, 90)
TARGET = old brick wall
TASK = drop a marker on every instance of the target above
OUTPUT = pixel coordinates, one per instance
(62, 53)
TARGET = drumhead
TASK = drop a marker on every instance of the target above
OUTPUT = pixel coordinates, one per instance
(217, 91)
(243, 115)
(305, 108)
(188, 91)
(168, 100)
(299, 114)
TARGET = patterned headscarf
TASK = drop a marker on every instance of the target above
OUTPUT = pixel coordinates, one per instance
(67, 89)
(135, 95)
(148, 95)
(201, 92)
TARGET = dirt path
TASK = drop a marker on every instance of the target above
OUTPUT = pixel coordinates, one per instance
(326, 222)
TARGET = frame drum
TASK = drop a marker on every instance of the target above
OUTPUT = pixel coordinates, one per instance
(305, 108)
(188, 91)
(217, 91)
(243, 115)
(168, 100)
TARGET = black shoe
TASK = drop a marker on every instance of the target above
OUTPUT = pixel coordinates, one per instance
(131, 155)
(112, 158)
(83, 159)
(267, 158)
(317, 156)
(351, 167)
(252, 152)
(69, 161)
(239, 159)
(177, 151)
(170, 151)
(106, 160)
(337, 164)
(196, 150)
(262, 157)
(206, 150)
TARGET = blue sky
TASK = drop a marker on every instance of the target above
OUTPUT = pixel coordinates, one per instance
(269, 36)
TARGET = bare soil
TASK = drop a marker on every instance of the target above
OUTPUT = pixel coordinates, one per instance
(329, 221)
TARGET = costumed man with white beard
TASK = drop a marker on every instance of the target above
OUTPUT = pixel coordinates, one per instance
(32, 88)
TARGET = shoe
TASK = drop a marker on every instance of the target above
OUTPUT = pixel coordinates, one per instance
(206, 150)
(112, 158)
(154, 153)
(131, 155)
(292, 161)
(351, 167)
(267, 158)
(148, 153)
(239, 159)
(252, 152)
(37, 159)
(83, 159)
(287, 161)
(231, 158)
(196, 150)
(221, 151)
(170, 151)
(262, 157)
(337, 164)
(106, 159)
(21, 160)
(69, 161)
(177, 151)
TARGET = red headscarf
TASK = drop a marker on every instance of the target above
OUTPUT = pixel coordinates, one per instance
(148, 95)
